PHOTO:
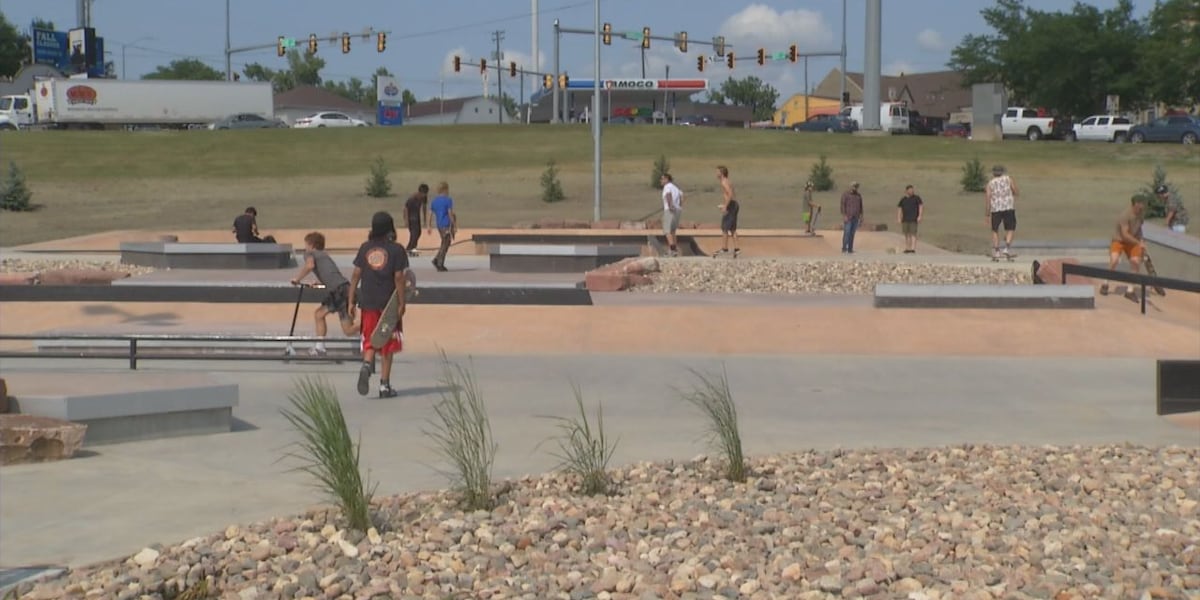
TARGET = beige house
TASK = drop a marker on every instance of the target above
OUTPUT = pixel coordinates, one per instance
(938, 94)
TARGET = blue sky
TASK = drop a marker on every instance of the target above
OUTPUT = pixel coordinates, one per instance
(917, 34)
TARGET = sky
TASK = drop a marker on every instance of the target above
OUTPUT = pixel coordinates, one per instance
(917, 35)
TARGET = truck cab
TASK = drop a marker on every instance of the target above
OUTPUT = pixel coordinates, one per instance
(16, 112)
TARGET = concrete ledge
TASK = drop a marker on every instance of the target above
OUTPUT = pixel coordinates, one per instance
(891, 295)
(167, 255)
(545, 294)
(1175, 255)
(556, 258)
(130, 407)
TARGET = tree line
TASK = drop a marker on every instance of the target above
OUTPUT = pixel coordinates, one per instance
(1071, 61)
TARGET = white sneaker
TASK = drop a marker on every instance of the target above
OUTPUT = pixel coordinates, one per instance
(317, 351)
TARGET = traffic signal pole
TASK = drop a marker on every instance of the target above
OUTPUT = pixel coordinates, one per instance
(229, 52)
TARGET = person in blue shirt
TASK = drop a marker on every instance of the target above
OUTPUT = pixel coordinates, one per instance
(442, 208)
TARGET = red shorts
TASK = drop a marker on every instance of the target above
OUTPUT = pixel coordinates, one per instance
(370, 319)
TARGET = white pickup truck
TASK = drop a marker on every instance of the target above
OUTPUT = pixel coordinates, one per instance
(1030, 123)
(1101, 128)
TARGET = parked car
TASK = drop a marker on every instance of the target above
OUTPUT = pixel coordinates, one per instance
(1103, 128)
(1033, 124)
(699, 121)
(919, 124)
(959, 130)
(247, 121)
(328, 119)
(828, 123)
(1173, 128)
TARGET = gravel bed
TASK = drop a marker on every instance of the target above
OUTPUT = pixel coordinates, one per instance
(21, 265)
(965, 522)
(816, 277)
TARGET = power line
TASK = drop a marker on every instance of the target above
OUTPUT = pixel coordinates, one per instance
(525, 15)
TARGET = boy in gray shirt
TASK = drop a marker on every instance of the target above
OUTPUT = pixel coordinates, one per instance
(317, 261)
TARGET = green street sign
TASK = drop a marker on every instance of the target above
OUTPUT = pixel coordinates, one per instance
(632, 35)
(779, 56)
(289, 42)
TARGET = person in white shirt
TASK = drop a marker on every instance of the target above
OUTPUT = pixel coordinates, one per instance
(672, 210)
(1000, 208)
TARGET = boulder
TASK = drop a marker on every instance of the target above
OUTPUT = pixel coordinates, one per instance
(638, 266)
(18, 278)
(604, 280)
(1050, 272)
(3, 396)
(81, 277)
(29, 438)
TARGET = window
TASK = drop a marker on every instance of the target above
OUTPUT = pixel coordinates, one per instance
(1180, 121)
(1089, 121)
(21, 104)
(1159, 123)
(1120, 121)
(1011, 113)
(1030, 113)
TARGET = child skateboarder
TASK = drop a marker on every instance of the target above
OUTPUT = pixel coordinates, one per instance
(729, 214)
(380, 267)
(1127, 240)
(909, 212)
(337, 298)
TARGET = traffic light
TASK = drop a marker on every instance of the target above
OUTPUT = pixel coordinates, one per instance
(312, 43)
(547, 81)
(719, 43)
(380, 41)
(482, 65)
(762, 56)
(700, 63)
(279, 49)
(646, 38)
(729, 60)
(457, 64)
(793, 53)
(512, 69)
(563, 80)
(681, 41)
(345, 43)
(607, 34)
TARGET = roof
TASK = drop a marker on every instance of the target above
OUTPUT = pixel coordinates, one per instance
(935, 94)
(315, 98)
(434, 107)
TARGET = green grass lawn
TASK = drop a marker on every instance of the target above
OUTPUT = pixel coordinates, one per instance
(95, 181)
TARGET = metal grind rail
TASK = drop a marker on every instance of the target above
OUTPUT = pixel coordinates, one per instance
(1166, 283)
(135, 352)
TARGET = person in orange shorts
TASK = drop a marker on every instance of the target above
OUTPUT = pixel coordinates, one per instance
(1127, 238)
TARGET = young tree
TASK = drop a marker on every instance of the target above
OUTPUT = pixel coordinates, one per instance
(14, 48)
(408, 98)
(189, 69)
(751, 91)
(354, 90)
(303, 69)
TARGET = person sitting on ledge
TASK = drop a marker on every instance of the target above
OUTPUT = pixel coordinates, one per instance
(245, 228)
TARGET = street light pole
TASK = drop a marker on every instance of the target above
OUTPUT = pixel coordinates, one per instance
(228, 54)
(124, 46)
(596, 118)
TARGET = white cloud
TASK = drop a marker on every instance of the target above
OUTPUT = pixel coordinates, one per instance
(930, 40)
(897, 67)
(762, 25)
(524, 60)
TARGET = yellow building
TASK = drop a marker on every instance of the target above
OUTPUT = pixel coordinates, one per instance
(800, 107)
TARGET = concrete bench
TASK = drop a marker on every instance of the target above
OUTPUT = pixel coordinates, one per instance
(126, 407)
(556, 258)
(168, 255)
(893, 295)
(1178, 388)
(1060, 247)
(1175, 254)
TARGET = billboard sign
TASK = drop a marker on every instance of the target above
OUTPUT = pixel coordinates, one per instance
(389, 101)
(50, 48)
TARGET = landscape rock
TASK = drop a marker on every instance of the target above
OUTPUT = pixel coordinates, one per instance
(19, 278)
(4, 405)
(22, 266)
(29, 438)
(972, 522)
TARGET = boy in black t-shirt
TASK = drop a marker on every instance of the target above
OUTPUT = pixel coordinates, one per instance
(416, 209)
(909, 213)
(379, 267)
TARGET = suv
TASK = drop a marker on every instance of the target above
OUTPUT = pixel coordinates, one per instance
(1172, 128)
(1102, 128)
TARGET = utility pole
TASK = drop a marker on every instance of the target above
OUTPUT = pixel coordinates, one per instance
(871, 66)
(498, 36)
(842, 95)
(596, 118)
(228, 55)
(643, 47)
(537, 68)
(554, 84)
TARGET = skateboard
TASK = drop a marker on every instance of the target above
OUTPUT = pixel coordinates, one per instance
(1152, 272)
(389, 321)
(1009, 257)
(727, 254)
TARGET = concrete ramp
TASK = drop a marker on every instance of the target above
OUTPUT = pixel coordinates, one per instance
(893, 295)
(127, 407)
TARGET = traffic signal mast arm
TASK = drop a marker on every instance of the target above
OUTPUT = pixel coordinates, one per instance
(503, 67)
(611, 32)
(289, 43)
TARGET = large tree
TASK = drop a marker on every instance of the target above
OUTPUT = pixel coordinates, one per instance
(1171, 54)
(751, 91)
(1065, 61)
(14, 48)
(303, 69)
(190, 69)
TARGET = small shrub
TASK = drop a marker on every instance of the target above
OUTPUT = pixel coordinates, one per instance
(552, 190)
(661, 167)
(821, 175)
(973, 178)
(1155, 207)
(463, 435)
(14, 193)
(712, 396)
(326, 450)
(378, 184)
(584, 450)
